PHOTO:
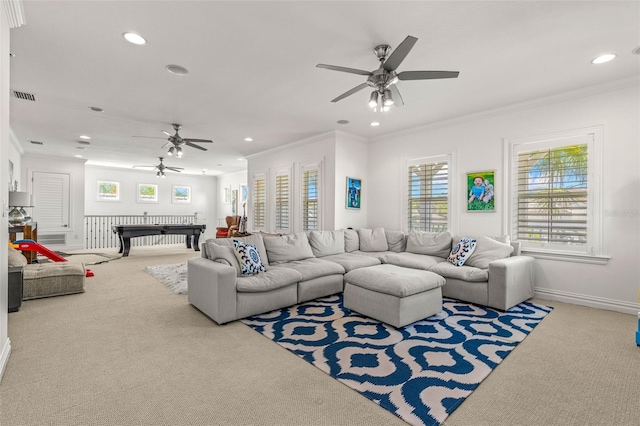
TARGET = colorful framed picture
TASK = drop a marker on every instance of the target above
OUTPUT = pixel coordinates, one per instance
(108, 191)
(181, 194)
(354, 193)
(147, 193)
(480, 191)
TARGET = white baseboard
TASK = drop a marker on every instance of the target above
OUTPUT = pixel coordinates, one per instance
(4, 357)
(585, 300)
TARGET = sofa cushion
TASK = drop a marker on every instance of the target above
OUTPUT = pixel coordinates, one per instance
(351, 261)
(248, 258)
(287, 248)
(461, 251)
(16, 258)
(313, 268)
(465, 273)
(431, 243)
(254, 239)
(273, 279)
(394, 280)
(396, 241)
(326, 243)
(487, 250)
(223, 254)
(351, 240)
(411, 260)
(375, 254)
(373, 239)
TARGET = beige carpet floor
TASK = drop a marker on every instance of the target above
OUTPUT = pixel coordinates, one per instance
(128, 351)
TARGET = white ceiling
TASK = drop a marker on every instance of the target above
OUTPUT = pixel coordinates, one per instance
(252, 69)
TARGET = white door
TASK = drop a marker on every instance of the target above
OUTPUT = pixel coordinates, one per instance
(52, 202)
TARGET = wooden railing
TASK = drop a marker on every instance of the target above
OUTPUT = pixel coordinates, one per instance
(98, 233)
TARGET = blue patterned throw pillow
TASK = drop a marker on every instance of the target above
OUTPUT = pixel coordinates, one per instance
(248, 257)
(461, 251)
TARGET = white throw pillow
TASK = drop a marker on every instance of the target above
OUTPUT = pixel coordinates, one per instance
(287, 248)
(326, 243)
(223, 254)
(373, 239)
(431, 243)
(487, 250)
(351, 240)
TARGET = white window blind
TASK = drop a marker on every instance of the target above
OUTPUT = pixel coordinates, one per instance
(428, 196)
(310, 199)
(259, 202)
(552, 195)
(282, 202)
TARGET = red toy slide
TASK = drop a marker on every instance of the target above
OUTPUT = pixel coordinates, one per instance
(30, 245)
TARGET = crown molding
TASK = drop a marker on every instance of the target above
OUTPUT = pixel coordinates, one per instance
(596, 89)
(15, 13)
(305, 141)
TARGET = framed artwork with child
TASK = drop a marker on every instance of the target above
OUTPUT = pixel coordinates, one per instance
(480, 191)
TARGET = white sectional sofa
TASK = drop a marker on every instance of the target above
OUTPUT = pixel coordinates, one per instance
(310, 265)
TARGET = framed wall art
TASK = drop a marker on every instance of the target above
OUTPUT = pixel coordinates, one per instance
(244, 193)
(108, 191)
(234, 202)
(354, 193)
(181, 194)
(147, 193)
(480, 191)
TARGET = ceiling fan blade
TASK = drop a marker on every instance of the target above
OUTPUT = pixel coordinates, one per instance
(197, 140)
(144, 167)
(395, 95)
(175, 169)
(192, 145)
(166, 133)
(426, 75)
(398, 55)
(344, 69)
(350, 92)
(148, 137)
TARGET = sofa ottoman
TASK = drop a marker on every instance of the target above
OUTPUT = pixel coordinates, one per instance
(53, 279)
(392, 294)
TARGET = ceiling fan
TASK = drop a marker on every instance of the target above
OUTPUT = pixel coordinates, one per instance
(161, 168)
(177, 141)
(383, 80)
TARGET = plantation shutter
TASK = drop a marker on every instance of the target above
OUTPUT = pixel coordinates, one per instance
(552, 190)
(428, 199)
(259, 202)
(282, 202)
(310, 199)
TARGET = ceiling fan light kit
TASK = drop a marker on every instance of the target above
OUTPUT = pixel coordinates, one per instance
(383, 80)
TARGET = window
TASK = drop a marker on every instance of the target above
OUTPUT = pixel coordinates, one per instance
(428, 194)
(310, 208)
(282, 201)
(555, 193)
(259, 201)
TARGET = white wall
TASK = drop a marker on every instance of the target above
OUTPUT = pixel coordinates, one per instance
(320, 149)
(5, 344)
(75, 167)
(203, 194)
(229, 181)
(478, 145)
(351, 156)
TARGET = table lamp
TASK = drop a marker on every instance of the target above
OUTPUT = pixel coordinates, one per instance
(18, 200)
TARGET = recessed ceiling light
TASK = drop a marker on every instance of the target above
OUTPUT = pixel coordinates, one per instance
(603, 58)
(96, 109)
(240, 159)
(177, 69)
(248, 139)
(134, 38)
(342, 121)
(85, 137)
(78, 156)
(375, 124)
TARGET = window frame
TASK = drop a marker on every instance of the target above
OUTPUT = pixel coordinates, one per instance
(289, 200)
(254, 201)
(303, 169)
(593, 250)
(451, 205)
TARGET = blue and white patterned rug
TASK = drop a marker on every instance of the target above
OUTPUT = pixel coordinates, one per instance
(421, 372)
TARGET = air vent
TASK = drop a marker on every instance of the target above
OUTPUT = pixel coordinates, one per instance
(24, 96)
(37, 142)
(53, 239)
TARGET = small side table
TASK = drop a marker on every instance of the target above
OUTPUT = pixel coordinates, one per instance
(29, 232)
